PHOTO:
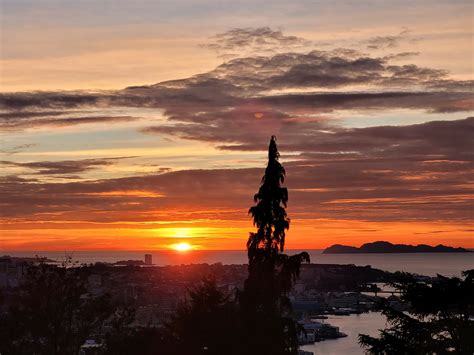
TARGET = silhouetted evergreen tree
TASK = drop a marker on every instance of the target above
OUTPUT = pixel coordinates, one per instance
(440, 319)
(266, 309)
(207, 322)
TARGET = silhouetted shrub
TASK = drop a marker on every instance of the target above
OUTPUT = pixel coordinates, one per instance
(440, 319)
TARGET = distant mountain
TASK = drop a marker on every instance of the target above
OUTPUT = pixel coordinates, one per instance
(386, 247)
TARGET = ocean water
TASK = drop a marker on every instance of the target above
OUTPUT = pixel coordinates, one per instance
(447, 264)
(353, 325)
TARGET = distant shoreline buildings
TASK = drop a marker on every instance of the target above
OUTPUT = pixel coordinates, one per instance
(148, 259)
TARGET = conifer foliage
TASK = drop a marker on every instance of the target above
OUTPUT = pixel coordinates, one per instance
(440, 319)
(264, 300)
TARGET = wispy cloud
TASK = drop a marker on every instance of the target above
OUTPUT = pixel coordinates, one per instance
(388, 42)
(64, 167)
(262, 40)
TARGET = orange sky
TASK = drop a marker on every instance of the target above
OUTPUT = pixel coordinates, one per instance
(304, 234)
(371, 103)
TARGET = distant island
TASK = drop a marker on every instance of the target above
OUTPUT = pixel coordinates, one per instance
(387, 247)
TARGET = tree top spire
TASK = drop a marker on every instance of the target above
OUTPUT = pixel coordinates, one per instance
(273, 150)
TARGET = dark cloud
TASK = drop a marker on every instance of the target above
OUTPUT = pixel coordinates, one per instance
(56, 109)
(18, 115)
(319, 70)
(466, 86)
(383, 42)
(234, 103)
(236, 41)
(242, 130)
(18, 148)
(434, 102)
(387, 42)
(48, 100)
(363, 186)
(64, 167)
(448, 141)
(46, 121)
(416, 172)
(412, 72)
(241, 85)
(402, 55)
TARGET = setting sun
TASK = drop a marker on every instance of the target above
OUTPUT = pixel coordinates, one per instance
(181, 246)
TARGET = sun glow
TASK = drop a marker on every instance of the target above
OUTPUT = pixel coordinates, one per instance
(181, 246)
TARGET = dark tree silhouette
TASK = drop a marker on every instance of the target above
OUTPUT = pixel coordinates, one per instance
(139, 340)
(208, 322)
(440, 319)
(265, 305)
(52, 314)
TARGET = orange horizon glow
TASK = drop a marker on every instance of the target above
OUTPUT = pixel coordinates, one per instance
(232, 235)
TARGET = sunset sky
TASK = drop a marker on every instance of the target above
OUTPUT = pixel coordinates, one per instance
(140, 125)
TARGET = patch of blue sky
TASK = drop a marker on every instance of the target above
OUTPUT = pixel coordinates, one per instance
(149, 151)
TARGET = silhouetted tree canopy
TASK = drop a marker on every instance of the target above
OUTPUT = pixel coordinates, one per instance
(208, 322)
(265, 306)
(440, 319)
(53, 313)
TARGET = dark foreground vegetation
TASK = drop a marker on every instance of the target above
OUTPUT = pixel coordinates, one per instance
(439, 319)
(195, 309)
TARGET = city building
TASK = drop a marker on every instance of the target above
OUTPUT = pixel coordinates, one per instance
(148, 259)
